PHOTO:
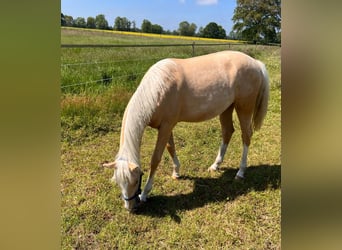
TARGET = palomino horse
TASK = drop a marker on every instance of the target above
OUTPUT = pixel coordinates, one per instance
(190, 90)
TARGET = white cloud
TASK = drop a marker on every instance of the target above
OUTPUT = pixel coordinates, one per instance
(182, 1)
(206, 2)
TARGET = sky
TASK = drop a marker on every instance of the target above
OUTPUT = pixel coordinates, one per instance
(167, 13)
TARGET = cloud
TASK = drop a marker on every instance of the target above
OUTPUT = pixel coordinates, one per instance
(206, 2)
(182, 1)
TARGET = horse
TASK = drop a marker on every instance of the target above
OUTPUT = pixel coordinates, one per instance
(189, 90)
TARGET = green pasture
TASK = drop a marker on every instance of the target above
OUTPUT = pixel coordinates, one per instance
(201, 210)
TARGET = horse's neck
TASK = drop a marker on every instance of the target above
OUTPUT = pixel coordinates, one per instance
(132, 129)
(140, 110)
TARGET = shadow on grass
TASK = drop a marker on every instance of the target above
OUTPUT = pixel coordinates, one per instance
(209, 190)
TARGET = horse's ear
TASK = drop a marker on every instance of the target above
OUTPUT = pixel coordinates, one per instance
(109, 164)
(132, 166)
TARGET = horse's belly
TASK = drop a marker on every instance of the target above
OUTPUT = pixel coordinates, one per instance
(205, 108)
(199, 116)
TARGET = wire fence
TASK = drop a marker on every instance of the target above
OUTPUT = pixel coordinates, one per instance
(111, 62)
(103, 80)
(106, 79)
(193, 45)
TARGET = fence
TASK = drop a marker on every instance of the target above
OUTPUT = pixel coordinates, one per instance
(193, 45)
(105, 79)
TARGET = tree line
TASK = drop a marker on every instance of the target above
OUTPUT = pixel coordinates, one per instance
(212, 30)
(256, 21)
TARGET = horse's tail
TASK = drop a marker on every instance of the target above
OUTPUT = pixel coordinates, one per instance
(261, 104)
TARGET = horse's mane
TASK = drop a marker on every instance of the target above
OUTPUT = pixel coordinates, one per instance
(122, 172)
(141, 107)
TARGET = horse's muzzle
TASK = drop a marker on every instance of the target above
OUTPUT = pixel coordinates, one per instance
(136, 205)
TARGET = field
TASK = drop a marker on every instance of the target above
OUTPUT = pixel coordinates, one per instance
(201, 210)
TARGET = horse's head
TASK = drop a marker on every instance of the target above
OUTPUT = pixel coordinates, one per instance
(128, 176)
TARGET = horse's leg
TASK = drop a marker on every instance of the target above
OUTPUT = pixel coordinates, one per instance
(172, 151)
(226, 120)
(245, 118)
(163, 137)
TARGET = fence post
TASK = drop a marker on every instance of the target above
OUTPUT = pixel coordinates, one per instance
(193, 49)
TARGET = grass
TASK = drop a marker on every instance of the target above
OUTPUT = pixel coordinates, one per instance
(201, 210)
(143, 37)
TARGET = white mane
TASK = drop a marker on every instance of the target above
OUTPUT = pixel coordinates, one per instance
(140, 109)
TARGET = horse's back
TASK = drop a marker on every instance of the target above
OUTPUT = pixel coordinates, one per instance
(211, 83)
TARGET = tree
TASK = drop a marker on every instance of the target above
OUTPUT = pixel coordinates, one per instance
(146, 26)
(175, 33)
(122, 24)
(157, 29)
(187, 29)
(212, 30)
(91, 23)
(80, 22)
(258, 20)
(222, 32)
(63, 22)
(200, 32)
(101, 22)
(69, 21)
(134, 26)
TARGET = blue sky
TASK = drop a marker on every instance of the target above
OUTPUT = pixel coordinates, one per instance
(167, 13)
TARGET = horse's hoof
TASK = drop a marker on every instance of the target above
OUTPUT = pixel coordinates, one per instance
(102, 163)
(239, 178)
(175, 176)
(142, 198)
(212, 169)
